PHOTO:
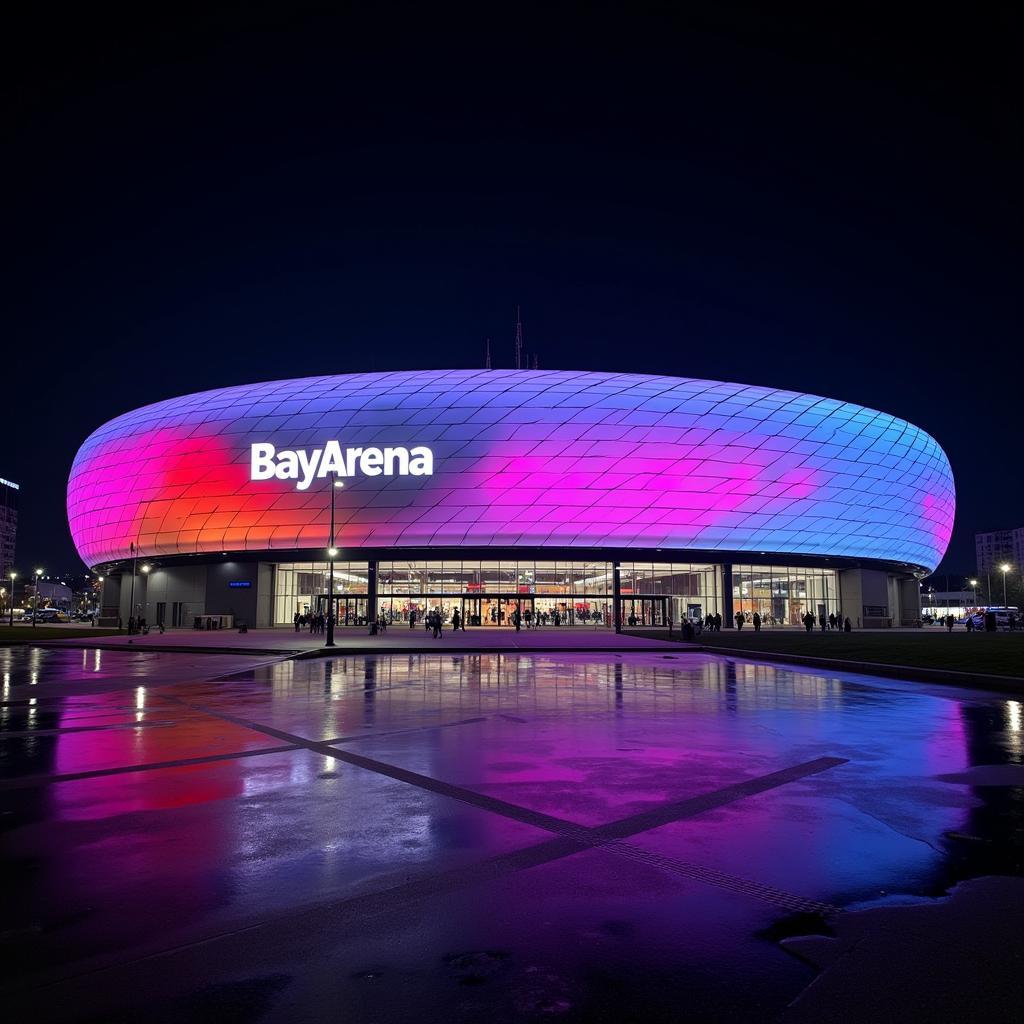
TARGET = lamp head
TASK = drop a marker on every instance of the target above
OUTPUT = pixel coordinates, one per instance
(339, 483)
(1005, 567)
(146, 568)
(39, 572)
(333, 552)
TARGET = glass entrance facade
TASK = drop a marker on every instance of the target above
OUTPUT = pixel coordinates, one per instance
(783, 596)
(579, 594)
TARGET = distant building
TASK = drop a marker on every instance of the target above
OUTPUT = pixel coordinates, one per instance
(999, 546)
(937, 604)
(53, 594)
(8, 524)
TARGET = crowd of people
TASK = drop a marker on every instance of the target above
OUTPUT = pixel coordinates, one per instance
(315, 622)
(435, 619)
(139, 626)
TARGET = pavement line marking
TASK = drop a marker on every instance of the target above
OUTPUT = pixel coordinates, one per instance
(425, 782)
(404, 732)
(568, 840)
(606, 836)
(644, 821)
(641, 822)
(32, 781)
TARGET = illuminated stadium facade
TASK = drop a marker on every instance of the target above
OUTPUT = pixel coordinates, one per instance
(572, 497)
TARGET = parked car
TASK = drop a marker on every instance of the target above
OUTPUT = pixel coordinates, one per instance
(1001, 613)
(50, 615)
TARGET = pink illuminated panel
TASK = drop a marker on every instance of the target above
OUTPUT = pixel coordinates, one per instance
(520, 458)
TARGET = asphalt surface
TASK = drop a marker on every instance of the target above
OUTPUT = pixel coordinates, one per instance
(635, 836)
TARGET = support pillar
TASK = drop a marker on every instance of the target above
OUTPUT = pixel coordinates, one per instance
(728, 622)
(371, 592)
(616, 597)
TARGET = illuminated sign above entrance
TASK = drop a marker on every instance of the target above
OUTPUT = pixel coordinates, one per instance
(267, 463)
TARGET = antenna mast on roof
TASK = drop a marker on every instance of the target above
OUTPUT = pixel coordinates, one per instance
(519, 340)
(487, 365)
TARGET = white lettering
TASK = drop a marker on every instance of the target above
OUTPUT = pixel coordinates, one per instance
(262, 465)
(402, 457)
(308, 467)
(422, 462)
(304, 466)
(287, 466)
(372, 461)
(333, 460)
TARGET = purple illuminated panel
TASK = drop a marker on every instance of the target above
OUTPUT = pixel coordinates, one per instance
(519, 458)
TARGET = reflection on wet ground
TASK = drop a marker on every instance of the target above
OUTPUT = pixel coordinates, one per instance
(459, 836)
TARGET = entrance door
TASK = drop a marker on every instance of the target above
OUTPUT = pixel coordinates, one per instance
(472, 613)
(644, 612)
(349, 611)
(499, 611)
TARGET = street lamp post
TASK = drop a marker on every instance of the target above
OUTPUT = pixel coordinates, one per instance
(974, 589)
(145, 569)
(14, 576)
(332, 553)
(35, 603)
(131, 600)
(1004, 569)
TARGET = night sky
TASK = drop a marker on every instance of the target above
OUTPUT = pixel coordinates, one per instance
(823, 203)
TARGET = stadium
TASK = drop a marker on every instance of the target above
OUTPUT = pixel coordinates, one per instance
(577, 498)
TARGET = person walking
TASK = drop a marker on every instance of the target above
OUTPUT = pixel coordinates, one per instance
(739, 620)
(950, 623)
(847, 627)
(456, 620)
(832, 620)
(297, 620)
(823, 622)
(808, 621)
(757, 623)
(718, 622)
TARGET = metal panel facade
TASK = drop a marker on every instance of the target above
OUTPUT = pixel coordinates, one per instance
(520, 459)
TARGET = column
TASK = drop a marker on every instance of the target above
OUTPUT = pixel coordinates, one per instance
(371, 591)
(616, 597)
(728, 622)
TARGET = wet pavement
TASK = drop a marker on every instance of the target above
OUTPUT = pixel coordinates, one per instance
(456, 837)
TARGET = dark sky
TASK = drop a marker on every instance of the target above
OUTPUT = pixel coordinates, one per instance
(828, 202)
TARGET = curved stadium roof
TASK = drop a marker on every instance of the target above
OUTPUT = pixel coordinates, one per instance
(520, 459)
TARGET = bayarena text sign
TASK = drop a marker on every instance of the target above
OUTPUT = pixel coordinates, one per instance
(304, 466)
